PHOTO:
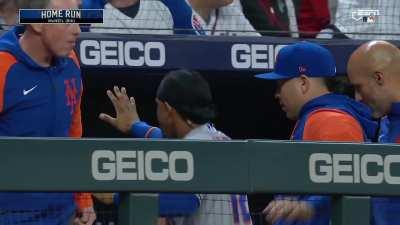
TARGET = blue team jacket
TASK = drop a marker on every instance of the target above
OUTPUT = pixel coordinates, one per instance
(386, 211)
(37, 102)
(361, 113)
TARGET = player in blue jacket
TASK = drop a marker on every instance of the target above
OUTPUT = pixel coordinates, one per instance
(301, 71)
(184, 110)
(374, 70)
(40, 96)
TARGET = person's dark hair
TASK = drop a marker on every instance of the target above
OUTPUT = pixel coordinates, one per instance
(189, 93)
(340, 85)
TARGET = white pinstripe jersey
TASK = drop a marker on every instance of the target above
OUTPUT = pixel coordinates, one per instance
(153, 17)
(228, 20)
(216, 209)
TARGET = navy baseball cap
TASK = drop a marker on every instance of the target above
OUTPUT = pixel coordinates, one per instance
(305, 58)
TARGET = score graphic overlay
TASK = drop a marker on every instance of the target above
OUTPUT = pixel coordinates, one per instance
(365, 15)
(80, 16)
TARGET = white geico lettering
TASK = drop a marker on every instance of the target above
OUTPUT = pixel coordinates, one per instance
(255, 56)
(119, 53)
(353, 168)
(138, 165)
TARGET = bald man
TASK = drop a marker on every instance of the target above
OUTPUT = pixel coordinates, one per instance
(374, 70)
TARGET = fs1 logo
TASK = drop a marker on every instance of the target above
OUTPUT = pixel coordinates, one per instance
(354, 168)
(121, 53)
(254, 56)
(139, 165)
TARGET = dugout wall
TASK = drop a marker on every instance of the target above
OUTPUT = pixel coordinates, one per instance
(246, 106)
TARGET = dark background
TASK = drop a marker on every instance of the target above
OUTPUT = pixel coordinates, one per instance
(245, 105)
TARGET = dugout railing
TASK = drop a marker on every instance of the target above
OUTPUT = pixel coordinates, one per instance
(138, 167)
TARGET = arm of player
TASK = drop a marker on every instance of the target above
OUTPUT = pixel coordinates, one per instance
(181, 14)
(332, 125)
(86, 214)
(6, 62)
(143, 130)
(324, 125)
(76, 121)
(75, 129)
(127, 119)
(172, 205)
(83, 201)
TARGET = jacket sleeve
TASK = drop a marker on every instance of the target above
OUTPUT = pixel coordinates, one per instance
(181, 14)
(6, 62)
(143, 130)
(76, 121)
(83, 200)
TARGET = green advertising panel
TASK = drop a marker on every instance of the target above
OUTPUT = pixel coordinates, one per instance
(123, 165)
(198, 166)
(339, 168)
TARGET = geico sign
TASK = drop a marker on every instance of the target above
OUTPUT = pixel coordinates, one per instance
(255, 56)
(120, 53)
(353, 168)
(138, 165)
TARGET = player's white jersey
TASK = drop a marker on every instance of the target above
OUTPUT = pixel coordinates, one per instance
(206, 132)
(163, 16)
(228, 20)
(153, 17)
(216, 209)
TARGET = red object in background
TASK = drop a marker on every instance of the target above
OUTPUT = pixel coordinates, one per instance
(313, 16)
(268, 7)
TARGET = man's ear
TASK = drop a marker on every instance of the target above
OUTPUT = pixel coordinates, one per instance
(37, 28)
(304, 83)
(169, 108)
(171, 111)
(378, 77)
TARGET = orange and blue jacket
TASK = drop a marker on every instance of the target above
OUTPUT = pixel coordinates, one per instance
(330, 117)
(38, 101)
(386, 211)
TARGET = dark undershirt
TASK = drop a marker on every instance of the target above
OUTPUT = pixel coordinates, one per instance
(131, 11)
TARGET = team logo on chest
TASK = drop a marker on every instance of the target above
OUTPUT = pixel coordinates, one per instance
(71, 93)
